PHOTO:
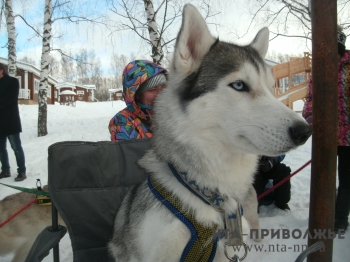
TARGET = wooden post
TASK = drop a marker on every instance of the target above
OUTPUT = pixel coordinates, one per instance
(325, 123)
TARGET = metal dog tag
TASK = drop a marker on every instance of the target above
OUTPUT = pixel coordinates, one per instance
(235, 259)
(233, 226)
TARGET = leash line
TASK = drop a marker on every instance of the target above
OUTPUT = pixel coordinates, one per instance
(18, 212)
(42, 197)
(28, 190)
(284, 180)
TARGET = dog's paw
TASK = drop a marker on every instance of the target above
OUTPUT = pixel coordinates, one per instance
(255, 235)
(257, 239)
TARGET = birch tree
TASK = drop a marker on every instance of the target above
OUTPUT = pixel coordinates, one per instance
(68, 71)
(154, 25)
(118, 63)
(155, 38)
(44, 74)
(46, 48)
(88, 68)
(11, 31)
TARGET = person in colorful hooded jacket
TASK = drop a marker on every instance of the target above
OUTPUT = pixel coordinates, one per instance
(342, 206)
(142, 82)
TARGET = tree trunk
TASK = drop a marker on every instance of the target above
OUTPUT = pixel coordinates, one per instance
(157, 51)
(44, 74)
(11, 31)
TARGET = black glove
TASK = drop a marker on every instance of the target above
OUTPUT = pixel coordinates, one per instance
(266, 163)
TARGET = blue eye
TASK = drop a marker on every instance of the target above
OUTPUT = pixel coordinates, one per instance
(239, 86)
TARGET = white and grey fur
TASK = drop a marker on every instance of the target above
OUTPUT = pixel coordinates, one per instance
(215, 116)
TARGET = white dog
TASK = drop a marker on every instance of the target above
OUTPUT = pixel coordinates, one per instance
(215, 116)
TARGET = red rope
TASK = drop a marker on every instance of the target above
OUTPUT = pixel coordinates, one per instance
(260, 196)
(19, 211)
(284, 180)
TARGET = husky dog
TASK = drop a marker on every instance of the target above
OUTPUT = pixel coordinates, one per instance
(215, 116)
(19, 234)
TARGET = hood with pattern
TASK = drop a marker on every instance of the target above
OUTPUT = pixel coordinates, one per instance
(134, 74)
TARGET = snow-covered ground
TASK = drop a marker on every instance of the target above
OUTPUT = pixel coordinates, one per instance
(89, 121)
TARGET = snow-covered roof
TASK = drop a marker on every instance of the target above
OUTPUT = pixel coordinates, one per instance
(65, 84)
(67, 92)
(30, 68)
(89, 86)
(73, 86)
(113, 90)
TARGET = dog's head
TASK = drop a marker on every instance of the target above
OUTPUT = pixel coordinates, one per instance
(220, 94)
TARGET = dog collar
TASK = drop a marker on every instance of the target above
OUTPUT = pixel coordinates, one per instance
(233, 222)
(208, 196)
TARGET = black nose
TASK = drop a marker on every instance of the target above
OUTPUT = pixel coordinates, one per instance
(300, 133)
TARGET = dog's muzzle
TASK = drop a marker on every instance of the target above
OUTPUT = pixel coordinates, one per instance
(300, 133)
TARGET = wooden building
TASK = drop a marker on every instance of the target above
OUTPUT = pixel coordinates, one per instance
(292, 79)
(115, 94)
(84, 92)
(29, 79)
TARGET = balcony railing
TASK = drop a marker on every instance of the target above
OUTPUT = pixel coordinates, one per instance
(293, 75)
(24, 94)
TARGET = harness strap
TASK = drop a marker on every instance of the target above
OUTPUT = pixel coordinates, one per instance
(201, 247)
(208, 196)
(177, 176)
(216, 200)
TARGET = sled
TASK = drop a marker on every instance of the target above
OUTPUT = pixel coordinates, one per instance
(87, 182)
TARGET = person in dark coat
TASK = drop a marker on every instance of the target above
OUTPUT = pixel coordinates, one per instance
(10, 125)
(272, 168)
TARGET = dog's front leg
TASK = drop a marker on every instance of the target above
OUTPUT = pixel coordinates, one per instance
(163, 242)
(250, 207)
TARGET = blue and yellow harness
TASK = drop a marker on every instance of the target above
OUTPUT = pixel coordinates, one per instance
(202, 245)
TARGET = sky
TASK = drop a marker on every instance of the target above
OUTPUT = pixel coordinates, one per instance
(89, 121)
(231, 24)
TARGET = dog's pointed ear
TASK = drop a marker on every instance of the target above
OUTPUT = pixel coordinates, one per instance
(193, 41)
(261, 41)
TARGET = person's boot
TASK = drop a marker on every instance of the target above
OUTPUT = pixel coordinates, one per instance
(340, 224)
(4, 174)
(342, 209)
(21, 176)
(282, 206)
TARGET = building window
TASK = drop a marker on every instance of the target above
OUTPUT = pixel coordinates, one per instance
(80, 92)
(49, 91)
(36, 86)
(55, 94)
(19, 80)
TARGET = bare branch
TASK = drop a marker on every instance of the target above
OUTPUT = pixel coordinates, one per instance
(58, 5)
(290, 36)
(158, 22)
(160, 6)
(254, 16)
(25, 21)
(281, 15)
